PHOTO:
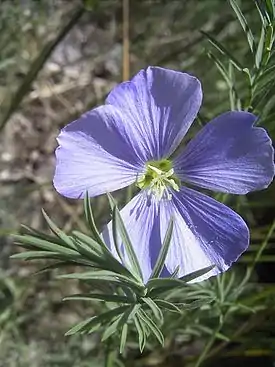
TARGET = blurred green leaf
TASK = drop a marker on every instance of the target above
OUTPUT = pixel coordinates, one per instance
(244, 24)
(154, 308)
(142, 334)
(260, 49)
(151, 326)
(88, 325)
(37, 65)
(270, 5)
(66, 239)
(223, 50)
(123, 338)
(97, 296)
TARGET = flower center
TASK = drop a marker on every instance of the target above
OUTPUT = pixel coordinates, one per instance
(158, 178)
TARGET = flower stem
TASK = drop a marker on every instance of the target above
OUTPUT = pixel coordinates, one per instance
(208, 345)
(109, 355)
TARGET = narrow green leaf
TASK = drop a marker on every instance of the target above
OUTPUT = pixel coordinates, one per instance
(99, 274)
(154, 308)
(104, 275)
(126, 318)
(230, 285)
(97, 296)
(189, 293)
(195, 304)
(196, 274)
(80, 326)
(90, 255)
(163, 251)
(163, 283)
(127, 243)
(260, 48)
(167, 305)
(113, 264)
(151, 326)
(265, 77)
(45, 245)
(29, 255)
(106, 317)
(223, 50)
(262, 12)
(232, 94)
(221, 69)
(209, 331)
(87, 325)
(142, 336)
(115, 237)
(123, 338)
(175, 272)
(268, 45)
(112, 201)
(90, 220)
(94, 245)
(270, 5)
(259, 99)
(56, 265)
(111, 329)
(39, 255)
(243, 23)
(43, 236)
(120, 321)
(66, 239)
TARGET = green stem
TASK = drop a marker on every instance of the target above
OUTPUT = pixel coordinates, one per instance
(38, 64)
(109, 356)
(208, 345)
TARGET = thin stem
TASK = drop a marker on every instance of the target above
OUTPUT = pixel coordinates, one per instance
(244, 328)
(126, 42)
(109, 356)
(209, 344)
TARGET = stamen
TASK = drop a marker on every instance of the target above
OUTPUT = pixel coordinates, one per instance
(158, 178)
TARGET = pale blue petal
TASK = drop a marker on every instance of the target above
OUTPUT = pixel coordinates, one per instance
(207, 233)
(229, 155)
(160, 105)
(95, 155)
(141, 219)
(186, 251)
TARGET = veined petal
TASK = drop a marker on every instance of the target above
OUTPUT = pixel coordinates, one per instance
(160, 105)
(229, 155)
(141, 219)
(206, 233)
(96, 155)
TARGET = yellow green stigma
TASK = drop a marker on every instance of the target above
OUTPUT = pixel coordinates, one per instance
(158, 178)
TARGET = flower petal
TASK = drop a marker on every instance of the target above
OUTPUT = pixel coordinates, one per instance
(206, 233)
(95, 155)
(141, 219)
(160, 104)
(229, 155)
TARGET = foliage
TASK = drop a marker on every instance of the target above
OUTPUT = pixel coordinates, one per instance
(239, 75)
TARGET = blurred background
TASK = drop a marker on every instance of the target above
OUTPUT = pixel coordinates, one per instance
(57, 60)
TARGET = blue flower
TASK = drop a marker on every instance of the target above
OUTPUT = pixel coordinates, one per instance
(133, 138)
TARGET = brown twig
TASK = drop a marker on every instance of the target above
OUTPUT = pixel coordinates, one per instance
(126, 42)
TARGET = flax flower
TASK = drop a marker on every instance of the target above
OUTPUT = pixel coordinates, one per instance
(133, 138)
